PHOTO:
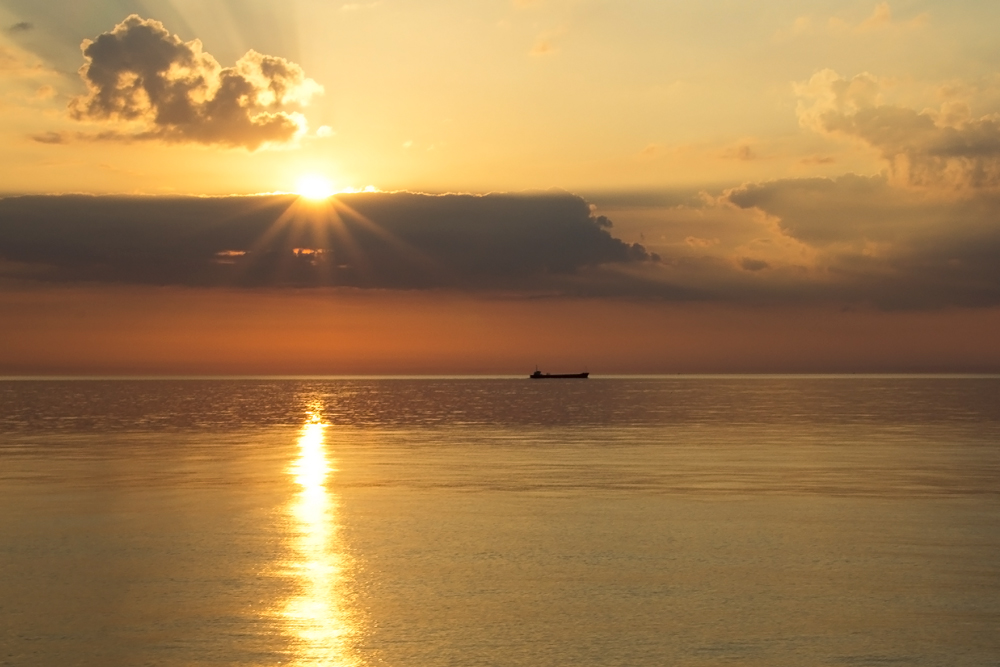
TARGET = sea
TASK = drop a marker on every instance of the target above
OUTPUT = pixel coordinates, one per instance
(499, 521)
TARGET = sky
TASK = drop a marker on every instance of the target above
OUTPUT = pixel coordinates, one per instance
(315, 187)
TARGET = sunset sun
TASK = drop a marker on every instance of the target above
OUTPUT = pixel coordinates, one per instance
(314, 187)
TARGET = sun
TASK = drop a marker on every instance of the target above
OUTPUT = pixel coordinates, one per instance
(314, 187)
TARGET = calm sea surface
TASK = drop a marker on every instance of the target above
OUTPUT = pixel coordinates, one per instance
(427, 522)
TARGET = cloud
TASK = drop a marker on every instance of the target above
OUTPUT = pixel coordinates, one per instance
(930, 148)
(749, 264)
(880, 19)
(889, 246)
(50, 138)
(696, 242)
(852, 241)
(822, 211)
(153, 85)
(817, 160)
(9, 61)
(21, 26)
(375, 240)
(45, 92)
(17, 63)
(741, 151)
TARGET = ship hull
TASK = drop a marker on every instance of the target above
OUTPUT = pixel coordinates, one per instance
(558, 376)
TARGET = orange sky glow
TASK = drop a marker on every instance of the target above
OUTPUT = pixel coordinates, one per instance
(399, 187)
(308, 332)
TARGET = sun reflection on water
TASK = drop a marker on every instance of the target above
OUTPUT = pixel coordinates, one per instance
(316, 617)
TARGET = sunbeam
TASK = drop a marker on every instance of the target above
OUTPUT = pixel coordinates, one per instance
(313, 241)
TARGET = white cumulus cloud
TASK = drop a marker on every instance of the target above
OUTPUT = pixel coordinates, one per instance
(161, 87)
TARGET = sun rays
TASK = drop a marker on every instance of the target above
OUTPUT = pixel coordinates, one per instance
(317, 239)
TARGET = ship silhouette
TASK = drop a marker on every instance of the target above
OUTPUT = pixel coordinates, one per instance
(538, 375)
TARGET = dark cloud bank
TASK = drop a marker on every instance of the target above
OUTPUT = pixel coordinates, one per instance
(868, 244)
(381, 240)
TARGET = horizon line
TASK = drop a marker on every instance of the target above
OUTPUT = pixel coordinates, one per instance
(505, 376)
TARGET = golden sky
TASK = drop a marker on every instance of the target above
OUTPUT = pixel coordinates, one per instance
(784, 163)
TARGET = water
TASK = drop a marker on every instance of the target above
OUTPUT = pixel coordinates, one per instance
(422, 522)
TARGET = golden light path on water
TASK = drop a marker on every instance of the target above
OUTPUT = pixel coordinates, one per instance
(316, 616)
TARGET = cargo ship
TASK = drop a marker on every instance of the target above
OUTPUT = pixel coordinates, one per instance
(538, 375)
